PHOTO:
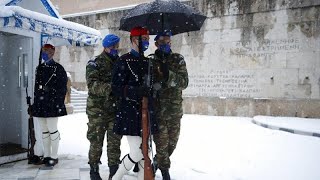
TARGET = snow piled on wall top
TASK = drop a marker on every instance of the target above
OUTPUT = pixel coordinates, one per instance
(7, 11)
(17, 17)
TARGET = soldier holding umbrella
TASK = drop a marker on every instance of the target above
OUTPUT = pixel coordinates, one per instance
(171, 72)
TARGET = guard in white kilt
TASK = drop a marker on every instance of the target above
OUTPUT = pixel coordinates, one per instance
(128, 85)
(49, 94)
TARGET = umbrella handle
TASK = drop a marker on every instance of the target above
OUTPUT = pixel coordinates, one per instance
(162, 23)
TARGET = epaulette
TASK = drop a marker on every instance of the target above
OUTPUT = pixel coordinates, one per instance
(92, 62)
(178, 58)
(151, 56)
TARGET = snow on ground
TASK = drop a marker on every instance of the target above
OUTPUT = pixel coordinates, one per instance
(222, 148)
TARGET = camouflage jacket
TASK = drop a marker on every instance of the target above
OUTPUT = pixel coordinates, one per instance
(171, 90)
(99, 76)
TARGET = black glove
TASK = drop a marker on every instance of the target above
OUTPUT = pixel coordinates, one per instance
(142, 91)
(164, 70)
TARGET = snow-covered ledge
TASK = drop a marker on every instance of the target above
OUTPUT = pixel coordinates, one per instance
(251, 107)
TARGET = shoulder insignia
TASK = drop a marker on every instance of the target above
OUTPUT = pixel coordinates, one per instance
(179, 59)
(92, 63)
(182, 62)
(180, 56)
(151, 56)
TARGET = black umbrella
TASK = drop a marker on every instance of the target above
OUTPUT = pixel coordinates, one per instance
(161, 15)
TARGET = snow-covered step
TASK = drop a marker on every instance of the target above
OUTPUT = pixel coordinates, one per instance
(80, 106)
(75, 101)
(79, 101)
(79, 97)
(79, 110)
(83, 109)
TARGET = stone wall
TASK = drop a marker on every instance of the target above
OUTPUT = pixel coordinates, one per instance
(251, 107)
(251, 57)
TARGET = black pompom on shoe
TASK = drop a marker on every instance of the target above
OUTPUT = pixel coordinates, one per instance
(51, 162)
(136, 168)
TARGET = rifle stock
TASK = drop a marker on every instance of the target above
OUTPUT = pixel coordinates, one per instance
(148, 170)
(31, 133)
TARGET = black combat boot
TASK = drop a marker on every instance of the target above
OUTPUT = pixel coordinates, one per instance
(94, 172)
(165, 174)
(112, 170)
(155, 165)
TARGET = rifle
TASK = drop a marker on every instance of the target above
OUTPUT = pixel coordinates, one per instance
(148, 170)
(31, 134)
(145, 123)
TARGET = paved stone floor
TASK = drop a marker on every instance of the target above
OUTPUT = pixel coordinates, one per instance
(69, 167)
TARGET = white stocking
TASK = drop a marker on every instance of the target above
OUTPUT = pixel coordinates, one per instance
(141, 170)
(46, 141)
(129, 160)
(54, 136)
(124, 167)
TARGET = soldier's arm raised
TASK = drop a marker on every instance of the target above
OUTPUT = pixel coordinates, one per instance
(94, 83)
(179, 77)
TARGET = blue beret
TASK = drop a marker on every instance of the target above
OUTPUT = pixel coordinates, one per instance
(110, 40)
(165, 33)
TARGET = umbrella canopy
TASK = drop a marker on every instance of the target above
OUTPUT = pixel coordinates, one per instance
(17, 17)
(162, 15)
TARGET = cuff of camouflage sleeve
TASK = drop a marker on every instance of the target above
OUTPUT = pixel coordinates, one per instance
(171, 79)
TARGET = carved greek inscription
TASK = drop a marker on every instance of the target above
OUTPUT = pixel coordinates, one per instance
(265, 48)
(223, 84)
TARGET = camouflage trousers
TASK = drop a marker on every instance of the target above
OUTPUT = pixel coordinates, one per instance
(167, 138)
(98, 126)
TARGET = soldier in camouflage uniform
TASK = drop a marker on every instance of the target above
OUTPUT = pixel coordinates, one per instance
(171, 73)
(101, 108)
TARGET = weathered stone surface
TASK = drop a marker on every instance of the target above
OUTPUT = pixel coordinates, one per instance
(246, 49)
(252, 107)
